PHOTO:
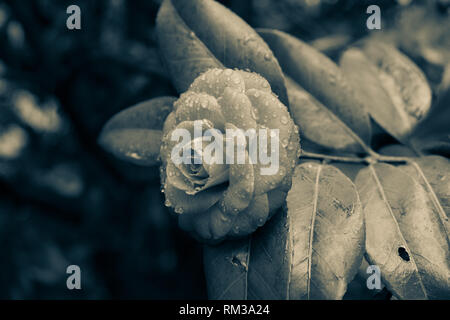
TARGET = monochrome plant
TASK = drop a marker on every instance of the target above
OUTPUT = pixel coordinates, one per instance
(345, 201)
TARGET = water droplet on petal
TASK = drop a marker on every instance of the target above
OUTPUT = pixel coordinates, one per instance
(179, 210)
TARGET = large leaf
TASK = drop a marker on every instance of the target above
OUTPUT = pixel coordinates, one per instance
(395, 90)
(135, 134)
(311, 250)
(432, 172)
(197, 35)
(318, 124)
(405, 236)
(322, 78)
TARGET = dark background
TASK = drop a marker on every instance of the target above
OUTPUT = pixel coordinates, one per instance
(63, 200)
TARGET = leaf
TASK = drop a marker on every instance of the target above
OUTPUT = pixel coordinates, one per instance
(311, 250)
(404, 234)
(135, 134)
(395, 90)
(432, 172)
(322, 78)
(200, 34)
(318, 124)
(432, 135)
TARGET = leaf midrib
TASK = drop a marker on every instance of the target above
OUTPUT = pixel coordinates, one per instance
(311, 232)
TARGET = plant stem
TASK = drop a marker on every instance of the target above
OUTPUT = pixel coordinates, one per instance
(390, 159)
(312, 155)
(372, 158)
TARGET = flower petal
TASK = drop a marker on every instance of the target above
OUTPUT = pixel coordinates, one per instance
(220, 223)
(251, 218)
(168, 144)
(197, 106)
(214, 82)
(239, 193)
(253, 80)
(238, 109)
(184, 203)
(170, 123)
(176, 179)
(266, 182)
(273, 114)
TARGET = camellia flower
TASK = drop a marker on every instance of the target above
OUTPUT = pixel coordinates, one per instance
(227, 198)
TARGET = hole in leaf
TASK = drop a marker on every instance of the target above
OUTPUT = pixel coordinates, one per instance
(239, 262)
(403, 253)
(236, 261)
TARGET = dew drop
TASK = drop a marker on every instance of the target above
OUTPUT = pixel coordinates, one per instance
(247, 39)
(179, 210)
(267, 56)
(236, 79)
(255, 114)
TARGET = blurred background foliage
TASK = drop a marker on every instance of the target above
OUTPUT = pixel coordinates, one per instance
(65, 201)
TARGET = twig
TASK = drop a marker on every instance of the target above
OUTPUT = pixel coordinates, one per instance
(306, 154)
(372, 158)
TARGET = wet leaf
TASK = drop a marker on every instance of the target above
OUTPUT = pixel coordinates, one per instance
(197, 35)
(149, 114)
(405, 236)
(395, 91)
(135, 134)
(318, 124)
(432, 172)
(311, 250)
(322, 78)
